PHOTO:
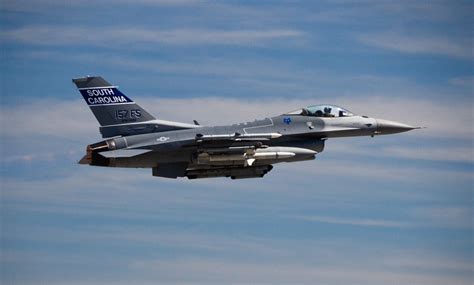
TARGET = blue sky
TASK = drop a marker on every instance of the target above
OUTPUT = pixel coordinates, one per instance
(384, 210)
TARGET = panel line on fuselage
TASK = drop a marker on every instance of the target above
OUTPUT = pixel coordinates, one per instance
(261, 126)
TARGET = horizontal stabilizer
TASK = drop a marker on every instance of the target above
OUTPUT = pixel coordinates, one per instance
(124, 153)
(84, 160)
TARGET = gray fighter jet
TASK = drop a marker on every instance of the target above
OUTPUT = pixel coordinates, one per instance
(136, 139)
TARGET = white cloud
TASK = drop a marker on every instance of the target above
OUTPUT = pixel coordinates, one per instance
(427, 262)
(429, 153)
(124, 37)
(355, 221)
(151, 2)
(241, 259)
(221, 271)
(351, 167)
(415, 218)
(442, 119)
(460, 154)
(64, 119)
(461, 48)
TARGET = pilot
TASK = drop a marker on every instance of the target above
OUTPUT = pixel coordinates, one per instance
(318, 113)
(327, 112)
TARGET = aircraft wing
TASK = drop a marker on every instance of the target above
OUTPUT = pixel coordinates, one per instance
(226, 155)
(223, 155)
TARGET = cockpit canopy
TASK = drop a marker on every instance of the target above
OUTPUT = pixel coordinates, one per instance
(328, 111)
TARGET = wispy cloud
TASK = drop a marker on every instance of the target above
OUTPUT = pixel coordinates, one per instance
(123, 37)
(461, 48)
(460, 154)
(285, 273)
(273, 260)
(447, 217)
(355, 221)
(465, 81)
(413, 218)
(351, 167)
(68, 118)
(428, 153)
(44, 5)
(151, 2)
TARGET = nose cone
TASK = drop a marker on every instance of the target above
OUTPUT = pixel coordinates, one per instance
(385, 127)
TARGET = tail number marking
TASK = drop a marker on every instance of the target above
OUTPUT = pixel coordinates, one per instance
(128, 114)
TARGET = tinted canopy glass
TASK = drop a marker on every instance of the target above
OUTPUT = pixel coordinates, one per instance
(328, 111)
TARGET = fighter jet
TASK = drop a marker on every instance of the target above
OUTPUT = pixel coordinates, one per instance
(136, 139)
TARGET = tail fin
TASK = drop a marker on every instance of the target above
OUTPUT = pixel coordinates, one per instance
(109, 105)
(118, 115)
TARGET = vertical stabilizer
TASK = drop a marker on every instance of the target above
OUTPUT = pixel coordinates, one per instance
(118, 115)
(108, 104)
